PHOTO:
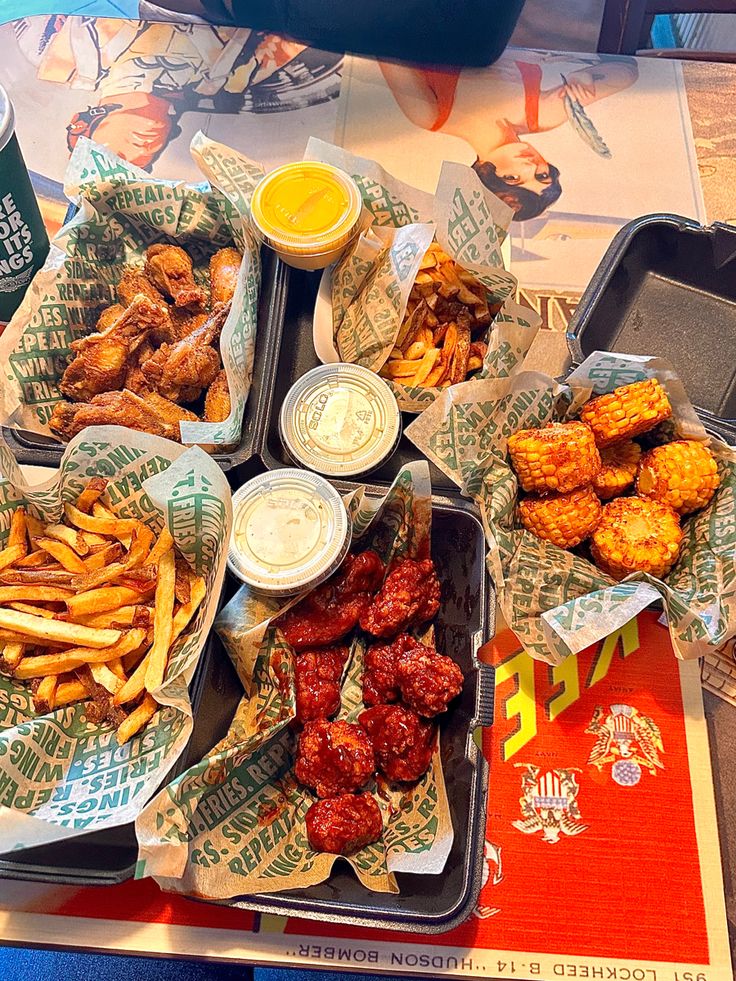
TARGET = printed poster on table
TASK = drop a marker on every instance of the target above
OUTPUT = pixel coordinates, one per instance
(601, 856)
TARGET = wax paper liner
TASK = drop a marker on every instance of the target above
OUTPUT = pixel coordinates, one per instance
(60, 775)
(123, 210)
(556, 601)
(372, 281)
(234, 824)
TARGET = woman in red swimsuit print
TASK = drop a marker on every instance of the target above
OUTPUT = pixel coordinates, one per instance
(495, 108)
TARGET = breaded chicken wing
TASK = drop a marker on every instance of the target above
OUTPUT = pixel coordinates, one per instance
(170, 269)
(217, 401)
(224, 268)
(117, 409)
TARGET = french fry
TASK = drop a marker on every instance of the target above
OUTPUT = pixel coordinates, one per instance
(94, 540)
(40, 665)
(116, 666)
(140, 546)
(101, 600)
(63, 554)
(34, 593)
(105, 677)
(34, 528)
(396, 353)
(162, 620)
(68, 692)
(37, 577)
(92, 492)
(136, 683)
(136, 720)
(125, 614)
(185, 613)
(182, 584)
(11, 656)
(17, 534)
(104, 523)
(105, 556)
(36, 611)
(462, 355)
(164, 543)
(57, 630)
(63, 533)
(415, 351)
(11, 554)
(11, 637)
(33, 560)
(426, 365)
(44, 698)
(399, 369)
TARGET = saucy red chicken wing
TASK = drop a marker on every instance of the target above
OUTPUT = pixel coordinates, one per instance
(342, 825)
(410, 595)
(403, 742)
(379, 677)
(334, 608)
(428, 681)
(318, 677)
(334, 757)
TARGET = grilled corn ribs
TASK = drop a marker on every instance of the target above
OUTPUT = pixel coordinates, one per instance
(682, 474)
(626, 412)
(559, 457)
(636, 535)
(619, 464)
(563, 519)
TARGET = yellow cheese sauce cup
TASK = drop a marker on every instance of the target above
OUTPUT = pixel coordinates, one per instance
(307, 212)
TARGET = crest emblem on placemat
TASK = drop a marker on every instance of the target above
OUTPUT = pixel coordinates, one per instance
(549, 803)
(628, 740)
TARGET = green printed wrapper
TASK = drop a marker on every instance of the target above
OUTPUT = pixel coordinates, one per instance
(372, 281)
(556, 601)
(61, 775)
(234, 824)
(123, 210)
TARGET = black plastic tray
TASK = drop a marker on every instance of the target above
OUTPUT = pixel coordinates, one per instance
(108, 856)
(42, 451)
(425, 903)
(667, 286)
(290, 355)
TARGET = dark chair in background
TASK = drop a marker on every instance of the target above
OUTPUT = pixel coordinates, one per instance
(627, 25)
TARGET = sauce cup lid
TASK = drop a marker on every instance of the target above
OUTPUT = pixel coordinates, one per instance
(340, 420)
(290, 532)
(306, 207)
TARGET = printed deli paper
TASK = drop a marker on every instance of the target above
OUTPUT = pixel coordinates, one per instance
(372, 281)
(59, 774)
(123, 210)
(557, 602)
(234, 824)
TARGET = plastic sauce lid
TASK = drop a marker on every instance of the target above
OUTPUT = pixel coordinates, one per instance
(290, 532)
(306, 207)
(340, 419)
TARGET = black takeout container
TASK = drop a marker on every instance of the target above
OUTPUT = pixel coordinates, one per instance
(667, 287)
(44, 451)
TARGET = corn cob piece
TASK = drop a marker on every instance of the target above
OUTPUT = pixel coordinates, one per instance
(626, 412)
(636, 535)
(682, 474)
(563, 519)
(619, 464)
(559, 457)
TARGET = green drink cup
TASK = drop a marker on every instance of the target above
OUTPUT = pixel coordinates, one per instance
(24, 243)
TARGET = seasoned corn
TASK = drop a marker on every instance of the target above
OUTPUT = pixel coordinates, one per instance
(626, 412)
(682, 474)
(636, 535)
(559, 457)
(619, 464)
(563, 519)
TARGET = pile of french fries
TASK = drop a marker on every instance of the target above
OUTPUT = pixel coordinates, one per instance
(90, 609)
(440, 340)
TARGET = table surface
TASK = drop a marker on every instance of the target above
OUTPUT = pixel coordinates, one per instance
(715, 142)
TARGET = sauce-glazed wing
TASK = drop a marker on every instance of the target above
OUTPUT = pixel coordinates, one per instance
(170, 269)
(101, 360)
(224, 268)
(403, 743)
(333, 609)
(428, 681)
(409, 596)
(217, 401)
(334, 758)
(318, 677)
(342, 825)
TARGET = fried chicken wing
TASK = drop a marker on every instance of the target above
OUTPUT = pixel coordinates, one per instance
(134, 281)
(224, 268)
(180, 371)
(380, 685)
(135, 380)
(217, 400)
(410, 595)
(185, 321)
(343, 825)
(170, 269)
(101, 360)
(318, 677)
(334, 757)
(333, 609)
(108, 316)
(428, 681)
(116, 409)
(403, 743)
